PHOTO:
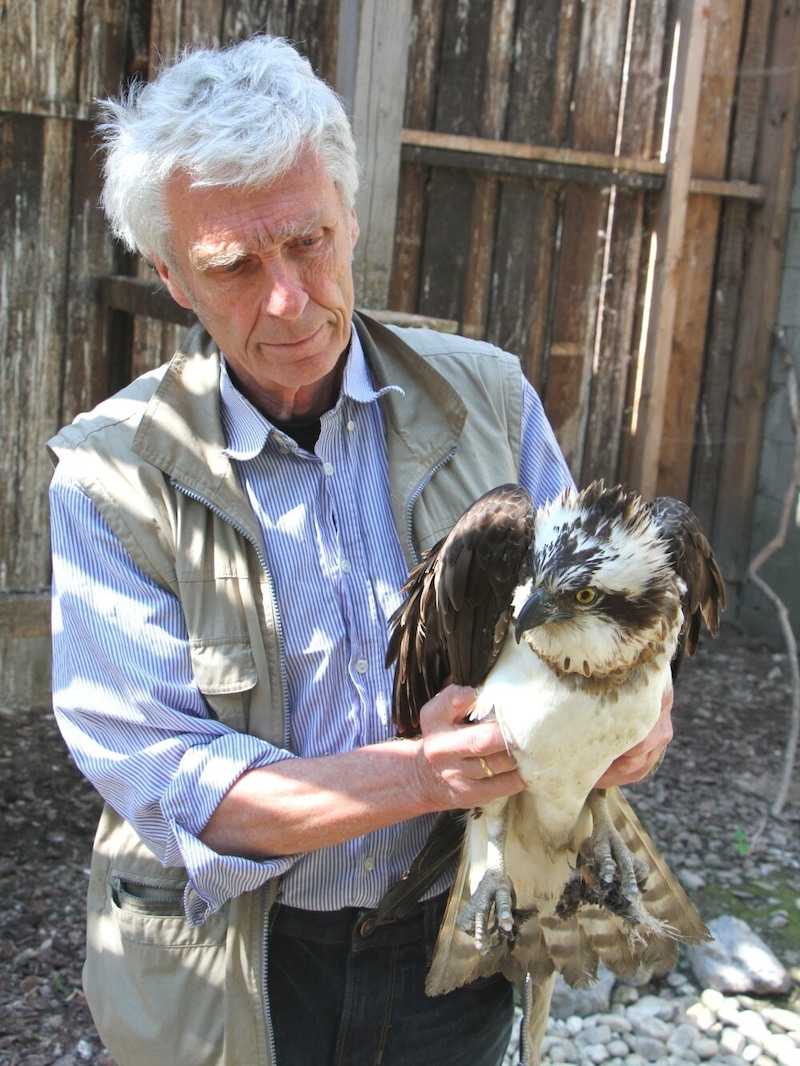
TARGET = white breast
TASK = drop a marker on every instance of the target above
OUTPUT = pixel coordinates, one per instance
(564, 738)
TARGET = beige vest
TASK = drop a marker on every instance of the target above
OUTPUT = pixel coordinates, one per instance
(151, 459)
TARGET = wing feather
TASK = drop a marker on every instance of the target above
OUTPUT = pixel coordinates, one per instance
(694, 561)
(458, 602)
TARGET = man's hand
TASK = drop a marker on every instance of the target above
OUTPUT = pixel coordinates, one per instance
(646, 756)
(463, 764)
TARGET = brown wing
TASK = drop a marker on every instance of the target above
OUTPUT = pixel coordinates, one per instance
(693, 559)
(457, 602)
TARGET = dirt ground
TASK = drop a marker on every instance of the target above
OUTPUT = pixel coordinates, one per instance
(707, 808)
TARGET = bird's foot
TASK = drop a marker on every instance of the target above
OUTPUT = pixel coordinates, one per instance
(607, 873)
(490, 913)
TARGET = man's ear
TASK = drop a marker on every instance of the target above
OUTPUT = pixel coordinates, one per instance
(172, 283)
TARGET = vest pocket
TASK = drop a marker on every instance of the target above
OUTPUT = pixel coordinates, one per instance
(149, 910)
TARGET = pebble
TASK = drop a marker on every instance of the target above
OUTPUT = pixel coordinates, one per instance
(680, 1026)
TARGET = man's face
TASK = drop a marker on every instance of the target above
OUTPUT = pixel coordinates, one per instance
(268, 273)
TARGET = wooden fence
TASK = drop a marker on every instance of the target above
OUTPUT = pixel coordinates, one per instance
(601, 187)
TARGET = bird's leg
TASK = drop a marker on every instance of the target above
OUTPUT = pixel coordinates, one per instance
(491, 906)
(612, 858)
(607, 873)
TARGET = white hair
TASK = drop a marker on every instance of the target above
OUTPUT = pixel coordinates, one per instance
(238, 116)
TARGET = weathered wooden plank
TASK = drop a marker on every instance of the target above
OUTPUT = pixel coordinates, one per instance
(647, 421)
(622, 281)
(538, 104)
(39, 49)
(774, 166)
(103, 45)
(315, 29)
(24, 615)
(371, 78)
(241, 18)
(34, 223)
(616, 342)
(578, 289)
(609, 164)
(462, 81)
(420, 100)
(729, 270)
(142, 296)
(85, 376)
(695, 275)
(166, 37)
(540, 97)
(427, 26)
(521, 271)
(447, 246)
(202, 23)
(484, 206)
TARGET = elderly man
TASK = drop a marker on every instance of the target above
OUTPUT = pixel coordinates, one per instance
(230, 534)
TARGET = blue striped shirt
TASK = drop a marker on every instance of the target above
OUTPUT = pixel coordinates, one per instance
(124, 693)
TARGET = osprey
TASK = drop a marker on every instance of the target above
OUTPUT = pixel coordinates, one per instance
(570, 621)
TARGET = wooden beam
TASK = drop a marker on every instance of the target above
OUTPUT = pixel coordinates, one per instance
(532, 152)
(24, 615)
(647, 429)
(138, 296)
(371, 77)
(515, 159)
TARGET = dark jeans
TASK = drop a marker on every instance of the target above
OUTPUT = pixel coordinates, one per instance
(345, 993)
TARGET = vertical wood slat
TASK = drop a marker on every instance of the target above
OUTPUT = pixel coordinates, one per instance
(594, 127)
(774, 165)
(420, 102)
(446, 242)
(540, 98)
(731, 258)
(484, 206)
(36, 153)
(648, 415)
(373, 59)
(695, 278)
(616, 341)
(39, 50)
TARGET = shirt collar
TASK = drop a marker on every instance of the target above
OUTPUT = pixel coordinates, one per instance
(247, 430)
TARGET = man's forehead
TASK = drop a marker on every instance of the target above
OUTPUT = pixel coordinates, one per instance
(253, 219)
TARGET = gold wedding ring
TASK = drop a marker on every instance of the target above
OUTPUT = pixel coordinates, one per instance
(485, 766)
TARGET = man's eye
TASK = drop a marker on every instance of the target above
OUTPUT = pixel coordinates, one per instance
(231, 268)
(585, 596)
(309, 241)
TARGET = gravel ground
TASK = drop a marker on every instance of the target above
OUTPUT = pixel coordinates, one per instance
(707, 808)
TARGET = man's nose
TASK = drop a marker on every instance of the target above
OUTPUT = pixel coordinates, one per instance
(286, 297)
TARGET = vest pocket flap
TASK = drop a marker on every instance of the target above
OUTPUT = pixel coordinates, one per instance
(223, 666)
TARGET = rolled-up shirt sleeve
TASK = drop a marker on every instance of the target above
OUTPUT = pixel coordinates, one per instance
(130, 711)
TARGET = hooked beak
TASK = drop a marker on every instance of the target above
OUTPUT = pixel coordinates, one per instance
(540, 609)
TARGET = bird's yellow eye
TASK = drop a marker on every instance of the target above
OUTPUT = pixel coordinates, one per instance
(585, 596)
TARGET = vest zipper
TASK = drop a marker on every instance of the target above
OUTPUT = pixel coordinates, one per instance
(415, 495)
(285, 695)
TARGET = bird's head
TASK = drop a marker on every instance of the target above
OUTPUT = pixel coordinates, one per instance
(602, 592)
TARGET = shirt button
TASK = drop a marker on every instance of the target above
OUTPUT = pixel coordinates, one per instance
(346, 566)
(369, 863)
(328, 468)
(351, 426)
(362, 666)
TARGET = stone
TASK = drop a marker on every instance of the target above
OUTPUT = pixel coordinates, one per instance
(650, 1050)
(583, 1001)
(737, 960)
